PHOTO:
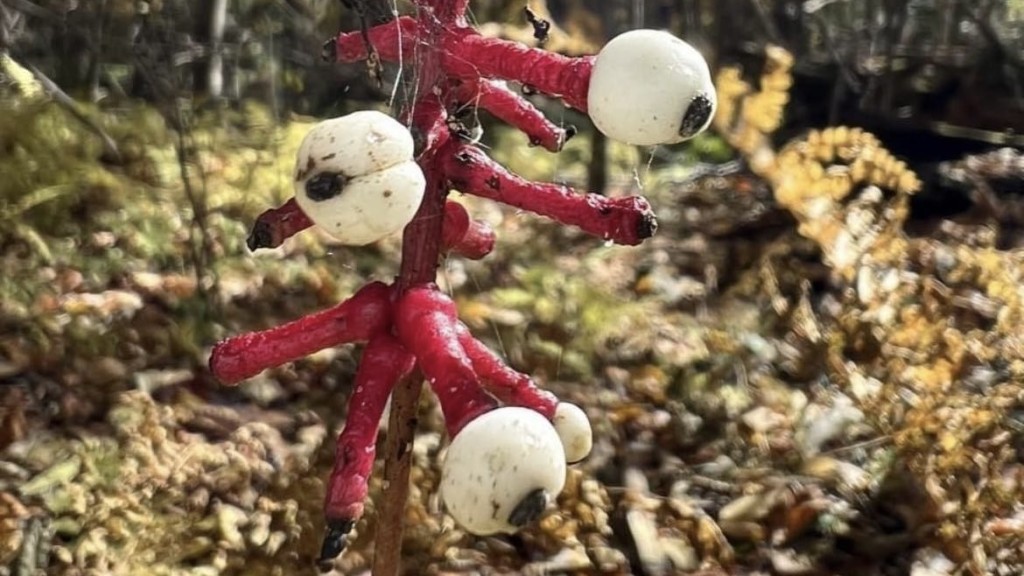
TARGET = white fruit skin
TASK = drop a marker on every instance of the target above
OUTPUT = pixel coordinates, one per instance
(371, 206)
(573, 428)
(495, 462)
(642, 84)
(383, 185)
(354, 144)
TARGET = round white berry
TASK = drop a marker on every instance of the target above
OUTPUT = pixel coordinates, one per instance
(573, 429)
(502, 470)
(354, 144)
(355, 177)
(649, 87)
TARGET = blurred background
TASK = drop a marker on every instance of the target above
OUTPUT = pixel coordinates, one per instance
(758, 405)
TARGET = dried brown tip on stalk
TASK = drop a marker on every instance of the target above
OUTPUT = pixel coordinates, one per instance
(329, 50)
(335, 540)
(567, 133)
(646, 226)
(261, 236)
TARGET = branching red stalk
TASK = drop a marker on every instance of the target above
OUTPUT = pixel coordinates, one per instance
(473, 55)
(513, 109)
(394, 41)
(411, 327)
(628, 220)
(464, 236)
(468, 55)
(427, 324)
(383, 365)
(366, 313)
(510, 387)
(276, 225)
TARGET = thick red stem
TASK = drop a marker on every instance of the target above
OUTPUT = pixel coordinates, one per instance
(366, 313)
(627, 220)
(426, 322)
(449, 12)
(394, 41)
(429, 121)
(509, 386)
(421, 251)
(464, 236)
(471, 55)
(276, 225)
(384, 363)
(511, 108)
(468, 55)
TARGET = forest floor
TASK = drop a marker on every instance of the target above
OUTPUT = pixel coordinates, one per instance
(760, 405)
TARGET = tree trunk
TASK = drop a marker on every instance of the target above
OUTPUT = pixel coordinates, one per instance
(210, 19)
(215, 66)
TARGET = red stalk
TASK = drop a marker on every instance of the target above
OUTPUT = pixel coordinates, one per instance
(468, 55)
(276, 225)
(627, 220)
(394, 41)
(383, 365)
(366, 313)
(430, 130)
(427, 324)
(466, 237)
(509, 386)
(513, 109)
(473, 55)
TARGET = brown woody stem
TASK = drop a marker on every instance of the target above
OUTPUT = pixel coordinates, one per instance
(421, 252)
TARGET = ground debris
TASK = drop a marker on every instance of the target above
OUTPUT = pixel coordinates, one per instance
(150, 495)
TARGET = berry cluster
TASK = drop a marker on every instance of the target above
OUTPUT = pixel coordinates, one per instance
(366, 175)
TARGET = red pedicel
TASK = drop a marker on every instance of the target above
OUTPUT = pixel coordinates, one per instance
(366, 313)
(383, 364)
(427, 324)
(464, 236)
(513, 109)
(276, 225)
(627, 220)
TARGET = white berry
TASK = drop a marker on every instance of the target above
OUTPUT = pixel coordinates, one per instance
(355, 177)
(649, 87)
(573, 429)
(502, 470)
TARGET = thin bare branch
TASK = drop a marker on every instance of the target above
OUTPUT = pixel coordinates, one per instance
(65, 101)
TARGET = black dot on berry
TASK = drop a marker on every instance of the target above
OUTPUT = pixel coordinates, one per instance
(324, 186)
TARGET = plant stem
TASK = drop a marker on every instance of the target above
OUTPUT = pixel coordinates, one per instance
(421, 251)
(421, 248)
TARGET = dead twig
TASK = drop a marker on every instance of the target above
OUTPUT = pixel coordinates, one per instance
(387, 553)
(65, 101)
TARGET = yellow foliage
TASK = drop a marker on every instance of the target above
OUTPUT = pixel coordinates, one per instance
(933, 322)
(22, 79)
(829, 162)
(747, 118)
(832, 179)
